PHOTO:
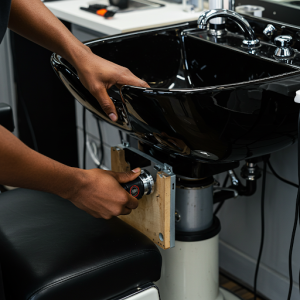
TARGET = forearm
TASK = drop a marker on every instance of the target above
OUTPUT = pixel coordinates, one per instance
(33, 20)
(23, 167)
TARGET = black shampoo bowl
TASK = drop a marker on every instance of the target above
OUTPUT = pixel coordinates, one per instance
(210, 101)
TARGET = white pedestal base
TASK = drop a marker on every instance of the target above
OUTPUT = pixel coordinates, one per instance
(190, 271)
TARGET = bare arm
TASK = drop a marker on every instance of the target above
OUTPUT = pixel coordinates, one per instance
(34, 21)
(90, 190)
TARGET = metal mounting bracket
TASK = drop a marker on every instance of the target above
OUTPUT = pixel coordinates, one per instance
(157, 166)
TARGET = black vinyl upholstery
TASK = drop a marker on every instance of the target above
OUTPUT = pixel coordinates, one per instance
(51, 250)
(6, 117)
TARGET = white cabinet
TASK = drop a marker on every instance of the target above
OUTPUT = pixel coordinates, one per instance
(110, 133)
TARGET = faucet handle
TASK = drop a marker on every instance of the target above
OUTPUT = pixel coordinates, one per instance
(283, 43)
(269, 31)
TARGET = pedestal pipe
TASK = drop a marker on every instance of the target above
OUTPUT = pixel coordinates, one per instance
(194, 204)
(190, 270)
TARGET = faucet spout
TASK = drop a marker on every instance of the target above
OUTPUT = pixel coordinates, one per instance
(250, 37)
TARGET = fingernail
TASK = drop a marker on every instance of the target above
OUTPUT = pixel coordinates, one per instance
(136, 170)
(113, 117)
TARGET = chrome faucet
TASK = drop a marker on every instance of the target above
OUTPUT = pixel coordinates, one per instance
(283, 43)
(250, 38)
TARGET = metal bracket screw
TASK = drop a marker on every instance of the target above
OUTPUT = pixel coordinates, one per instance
(177, 216)
(168, 169)
(125, 144)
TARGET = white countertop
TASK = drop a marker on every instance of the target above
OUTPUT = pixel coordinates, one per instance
(70, 11)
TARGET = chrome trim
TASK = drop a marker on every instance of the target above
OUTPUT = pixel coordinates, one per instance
(250, 38)
(147, 181)
(233, 178)
(251, 44)
(269, 31)
(217, 32)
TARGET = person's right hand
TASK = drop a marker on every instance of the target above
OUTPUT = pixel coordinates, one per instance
(101, 195)
(98, 75)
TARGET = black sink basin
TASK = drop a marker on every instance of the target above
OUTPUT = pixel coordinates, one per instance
(297, 3)
(208, 102)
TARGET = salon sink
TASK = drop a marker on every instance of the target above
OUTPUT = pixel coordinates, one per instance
(211, 101)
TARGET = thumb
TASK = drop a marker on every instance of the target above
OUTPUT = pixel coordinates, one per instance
(128, 176)
(106, 104)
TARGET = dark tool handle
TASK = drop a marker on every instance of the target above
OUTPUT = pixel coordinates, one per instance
(135, 188)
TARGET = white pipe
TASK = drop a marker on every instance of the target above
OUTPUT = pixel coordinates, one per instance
(190, 271)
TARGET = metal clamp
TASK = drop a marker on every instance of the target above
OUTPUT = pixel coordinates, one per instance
(250, 171)
(233, 178)
(219, 188)
(168, 170)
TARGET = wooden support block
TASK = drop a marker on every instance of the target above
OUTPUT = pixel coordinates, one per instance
(152, 217)
(118, 163)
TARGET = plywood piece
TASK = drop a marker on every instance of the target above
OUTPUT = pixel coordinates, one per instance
(152, 217)
(118, 163)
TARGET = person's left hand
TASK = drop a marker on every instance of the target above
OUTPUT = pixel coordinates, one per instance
(98, 75)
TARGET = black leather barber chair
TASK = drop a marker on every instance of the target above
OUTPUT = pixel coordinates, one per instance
(6, 117)
(51, 250)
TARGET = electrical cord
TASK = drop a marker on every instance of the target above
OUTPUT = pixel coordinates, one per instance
(291, 248)
(297, 215)
(262, 237)
(84, 137)
(281, 178)
(101, 158)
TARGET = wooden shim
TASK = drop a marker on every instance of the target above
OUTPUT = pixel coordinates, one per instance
(152, 217)
(118, 163)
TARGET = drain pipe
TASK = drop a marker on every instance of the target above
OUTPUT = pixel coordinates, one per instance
(251, 172)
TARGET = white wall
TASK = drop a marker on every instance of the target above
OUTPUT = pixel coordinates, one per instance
(240, 235)
(110, 137)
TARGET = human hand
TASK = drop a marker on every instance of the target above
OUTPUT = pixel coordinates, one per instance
(98, 75)
(101, 195)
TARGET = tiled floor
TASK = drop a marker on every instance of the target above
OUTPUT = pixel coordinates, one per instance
(237, 289)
